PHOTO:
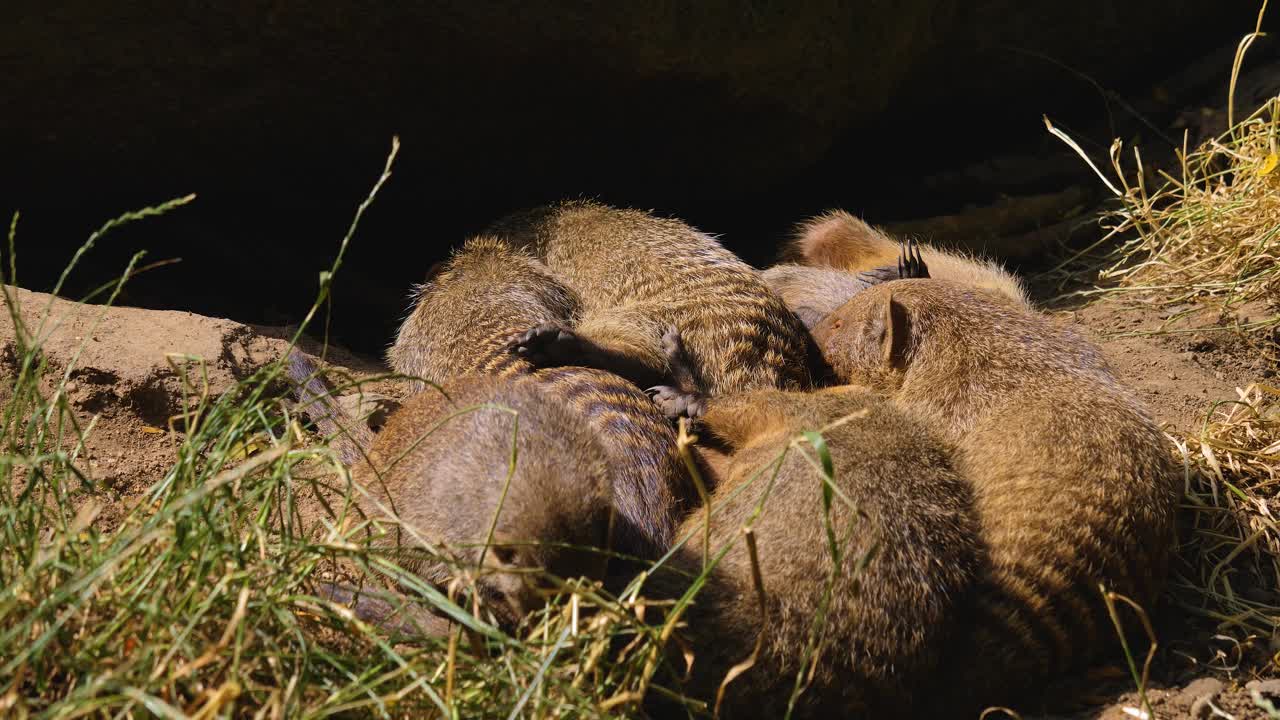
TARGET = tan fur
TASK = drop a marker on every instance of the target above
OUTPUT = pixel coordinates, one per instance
(837, 239)
(639, 275)
(464, 320)
(888, 621)
(494, 477)
(440, 466)
(466, 315)
(1072, 481)
(812, 293)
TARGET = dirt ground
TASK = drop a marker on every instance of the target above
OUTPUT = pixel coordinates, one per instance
(123, 384)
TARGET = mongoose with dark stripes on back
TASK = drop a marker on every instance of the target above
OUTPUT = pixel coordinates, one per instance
(465, 320)
(834, 255)
(908, 545)
(638, 275)
(1073, 483)
(441, 469)
(471, 310)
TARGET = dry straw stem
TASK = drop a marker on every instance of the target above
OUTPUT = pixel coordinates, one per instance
(1231, 561)
(1207, 238)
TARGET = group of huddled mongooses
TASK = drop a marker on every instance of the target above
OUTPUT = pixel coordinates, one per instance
(937, 547)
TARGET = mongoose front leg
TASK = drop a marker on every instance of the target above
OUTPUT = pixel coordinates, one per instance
(910, 266)
(681, 398)
(554, 345)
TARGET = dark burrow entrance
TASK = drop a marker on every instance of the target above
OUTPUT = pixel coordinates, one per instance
(741, 119)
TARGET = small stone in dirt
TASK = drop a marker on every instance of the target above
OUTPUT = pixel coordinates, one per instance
(1200, 694)
(1200, 343)
(1269, 688)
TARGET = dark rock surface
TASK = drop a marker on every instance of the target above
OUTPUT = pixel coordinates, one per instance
(740, 116)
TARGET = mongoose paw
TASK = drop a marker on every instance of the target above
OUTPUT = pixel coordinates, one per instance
(676, 403)
(880, 275)
(910, 264)
(549, 345)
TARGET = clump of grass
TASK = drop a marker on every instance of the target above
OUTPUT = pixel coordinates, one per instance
(1208, 235)
(1231, 569)
(203, 601)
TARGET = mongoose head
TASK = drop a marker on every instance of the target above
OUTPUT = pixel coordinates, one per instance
(868, 340)
(554, 525)
(502, 477)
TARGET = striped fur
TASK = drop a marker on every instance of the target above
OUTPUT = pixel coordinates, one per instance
(639, 275)
(464, 321)
(837, 239)
(910, 519)
(1073, 483)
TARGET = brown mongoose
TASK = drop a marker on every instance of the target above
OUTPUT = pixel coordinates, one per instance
(1073, 483)
(446, 463)
(908, 552)
(841, 241)
(465, 320)
(638, 275)
(812, 293)
(472, 308)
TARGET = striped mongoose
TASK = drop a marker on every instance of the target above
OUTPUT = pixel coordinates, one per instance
(835, 255)
(638, 275)
(1072, 480)
(908, 546)
(465, 320)
(441, 469)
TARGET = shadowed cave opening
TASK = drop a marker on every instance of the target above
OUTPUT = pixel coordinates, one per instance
(740, 118)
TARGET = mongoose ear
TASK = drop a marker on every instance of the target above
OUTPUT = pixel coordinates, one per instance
(897, 333)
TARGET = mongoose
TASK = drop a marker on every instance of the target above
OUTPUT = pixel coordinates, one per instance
(908, 542)
(1073, 483)
(841, 241)
(442, 467)
(472, 308)
(812, 293)
(638, 275)
(466, 319)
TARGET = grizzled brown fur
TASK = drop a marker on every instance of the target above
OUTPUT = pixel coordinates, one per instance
(441, 468)
(837, 240)
(468, 313)
(465, 320)
(638, 275)
(1073, 483)
(911, 523)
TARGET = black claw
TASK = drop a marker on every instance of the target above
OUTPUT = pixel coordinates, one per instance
(910, 262)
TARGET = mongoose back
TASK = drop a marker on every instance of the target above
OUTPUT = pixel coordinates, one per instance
(908, 551)
(899, 508)
(1073, 482)
(840, 241)
(637, 276)
(492, 473)
(465, 320)
(471, 309)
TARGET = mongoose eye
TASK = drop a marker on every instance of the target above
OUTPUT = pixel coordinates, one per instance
(504, 555)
